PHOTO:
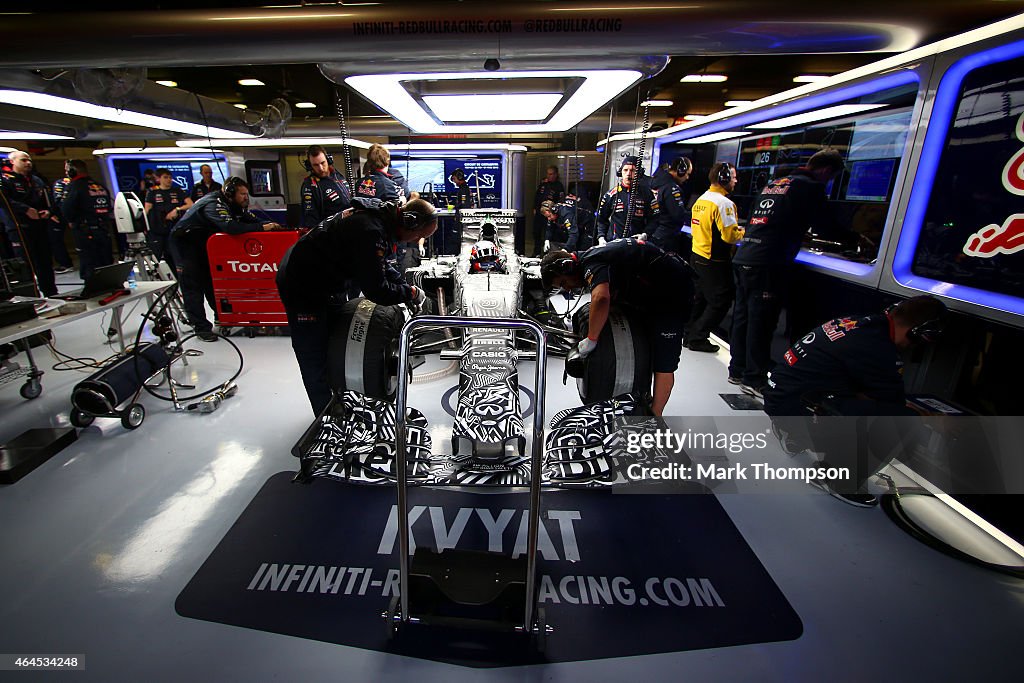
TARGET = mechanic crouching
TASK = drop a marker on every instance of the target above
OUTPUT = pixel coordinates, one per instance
(851, 366)
(347, 251)
(641, 278)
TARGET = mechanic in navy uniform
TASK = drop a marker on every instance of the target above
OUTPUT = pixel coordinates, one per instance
(614, 207)
(851, 367)
(667, 184)
(345, 252)
(89, 210)
(205, 186)
(381, 181)
(762, 267)
(58, 225)
(548, 190)
(324, 191)
(164, 205)
(570, 223)
(463, 195)
(637, 276)
(28, 218)
(222, 211)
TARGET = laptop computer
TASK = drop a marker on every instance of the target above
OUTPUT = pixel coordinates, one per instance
(104, 280)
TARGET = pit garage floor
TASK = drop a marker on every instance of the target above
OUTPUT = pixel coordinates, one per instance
(99, 541)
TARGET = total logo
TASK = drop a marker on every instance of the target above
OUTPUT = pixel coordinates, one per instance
(243, 267)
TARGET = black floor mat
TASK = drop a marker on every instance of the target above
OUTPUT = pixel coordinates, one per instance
(621, 574)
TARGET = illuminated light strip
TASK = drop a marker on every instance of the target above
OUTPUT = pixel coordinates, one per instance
(714, 137)
(63, 105)
(492, 107)
(180, 149)
(29, 135)
(943, 110)
(598, 88)
(277, 142)
(958, 507)
(816, 115)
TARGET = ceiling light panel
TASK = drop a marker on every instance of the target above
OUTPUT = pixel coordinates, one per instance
(504, 107)
(809, 78)
(305, 105)
(391, 92)
(704, 78)
(250, 81)
(63, 105)
(656, 103)
(714, 137)
(169, 84)
(816, 115)
(737, 103)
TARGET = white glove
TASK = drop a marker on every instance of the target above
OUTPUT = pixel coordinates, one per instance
(586, 346)
(547, 246)
(418, 297)
(423, 251)
(601, 241)
(642, 237)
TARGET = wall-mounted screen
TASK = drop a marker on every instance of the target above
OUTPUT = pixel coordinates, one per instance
(869, 180)
(421, 172)
(127, 172)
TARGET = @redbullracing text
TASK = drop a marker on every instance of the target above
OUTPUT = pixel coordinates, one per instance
(573, 590)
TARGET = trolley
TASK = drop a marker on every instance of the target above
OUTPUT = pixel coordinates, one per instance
(244, 272)
(461, 588)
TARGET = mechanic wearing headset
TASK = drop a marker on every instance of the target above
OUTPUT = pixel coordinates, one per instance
(762, 268)
(463, 196)
(324, 191)
(672, 212)
(223, 211)
(570, 223)
(851, 367)
(381, 181)
(89, 210)
(715, 231)
(614, 207)
(345, 252)
(637, 276)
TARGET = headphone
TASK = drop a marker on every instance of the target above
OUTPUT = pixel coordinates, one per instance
(563, 266)
(411, 218)
(925, 332)
(458, 174)
(70, 171)
(681, 165)
(309, 167)
(231, 186)
(725, 174)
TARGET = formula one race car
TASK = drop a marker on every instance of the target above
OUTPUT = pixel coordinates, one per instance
(355, 438)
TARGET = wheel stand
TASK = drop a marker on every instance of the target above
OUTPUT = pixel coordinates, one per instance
(462, 588)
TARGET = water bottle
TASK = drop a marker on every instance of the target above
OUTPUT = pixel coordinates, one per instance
(131, 279)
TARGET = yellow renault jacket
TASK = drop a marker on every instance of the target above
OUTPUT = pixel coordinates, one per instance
(714, 225)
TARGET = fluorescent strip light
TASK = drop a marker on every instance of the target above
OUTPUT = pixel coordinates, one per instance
(501, 107)
(714, 137)
(656, 103)
(179, 149)
(816, 115)
(810, 78)
(62, 105)
(239, 105)
(305, 105)
(704, 78)
(169, 84)
(278, 142)
(250, 81)
(737, 103)
(27, 135)
(388, 92)
(695, 117)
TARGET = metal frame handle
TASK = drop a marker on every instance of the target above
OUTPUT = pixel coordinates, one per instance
(535, 456)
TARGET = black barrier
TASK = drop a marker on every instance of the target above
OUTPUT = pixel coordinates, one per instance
(621, 575)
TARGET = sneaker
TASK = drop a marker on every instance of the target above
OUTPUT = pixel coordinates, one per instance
(60, 270)
(860, 500)
(755, 391)
(703, 345)
(735, 380)
(788, 444)
(207, 336)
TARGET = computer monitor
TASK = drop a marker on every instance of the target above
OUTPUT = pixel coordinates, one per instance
(869, 180)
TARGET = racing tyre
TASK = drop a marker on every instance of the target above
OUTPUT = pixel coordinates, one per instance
(620, 364)
(363, 349)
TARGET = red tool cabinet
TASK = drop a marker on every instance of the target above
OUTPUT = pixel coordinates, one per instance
(243, 268)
